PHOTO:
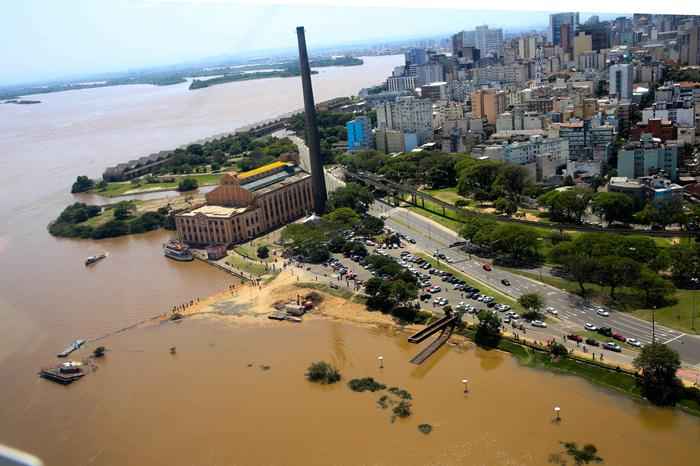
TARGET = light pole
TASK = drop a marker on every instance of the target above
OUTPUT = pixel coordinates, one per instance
(381, 362)
(557, 410)
(465, 382)
(695, 281)
(653, 324)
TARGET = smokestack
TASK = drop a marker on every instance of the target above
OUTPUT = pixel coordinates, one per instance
(318, 181)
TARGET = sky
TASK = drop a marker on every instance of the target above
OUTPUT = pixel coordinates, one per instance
(48, 39)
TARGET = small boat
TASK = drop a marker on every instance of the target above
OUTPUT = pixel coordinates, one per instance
(73, 346)
(64, 373)
(293, 319)
(177, 250)
(277, 316)
(93, 259)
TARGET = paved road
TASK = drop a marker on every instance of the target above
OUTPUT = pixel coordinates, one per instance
(573, 313)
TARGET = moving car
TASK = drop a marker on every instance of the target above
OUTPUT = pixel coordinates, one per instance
(602, 312)
(634, 342)
(538, 323)
(590, 327)
(505, 282)
(609, 345)
(551, 310)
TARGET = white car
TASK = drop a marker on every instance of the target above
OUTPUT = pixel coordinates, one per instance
(539, 323)
(552, 311)
(590, 327)
(633, 342)
(602, 312)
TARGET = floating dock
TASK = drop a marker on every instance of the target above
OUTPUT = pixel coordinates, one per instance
(444, 325)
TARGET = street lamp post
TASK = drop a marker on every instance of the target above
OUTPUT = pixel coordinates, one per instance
(381, 362)
(557, 410)
(465, 382)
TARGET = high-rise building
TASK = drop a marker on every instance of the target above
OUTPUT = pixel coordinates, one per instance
(407, 114)
(527, 47)
(487, 41)
(359, 133)
(488, 103)
(583, 43)
(400, 83)
(689, 43)
(647, 157)
(429, 73)
(555, 22)
(416, 56)
(599, 34)
(621, 81)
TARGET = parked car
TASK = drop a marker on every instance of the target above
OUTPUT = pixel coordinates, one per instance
(551, 310)
(590, 327)
(505, 282)
(634, 342)
(487, 267)
(538, 323)
(609, 345)
(574, 337)
(592, 342)
(619, 337)
(602, 312)
(425, 296)
(605, 331)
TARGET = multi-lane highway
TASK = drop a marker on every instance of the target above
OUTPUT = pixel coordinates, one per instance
(573, 310)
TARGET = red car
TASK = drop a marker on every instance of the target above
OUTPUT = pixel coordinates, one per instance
(619, 337)
(487, 267)
(577, 338)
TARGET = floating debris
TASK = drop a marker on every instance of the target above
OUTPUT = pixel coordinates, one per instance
(265, 367)
(425, 428)
(401, 393)
(173, 350)
(99, 351)
(365, 384)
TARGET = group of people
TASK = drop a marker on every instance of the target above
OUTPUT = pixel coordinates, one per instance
(185, 306)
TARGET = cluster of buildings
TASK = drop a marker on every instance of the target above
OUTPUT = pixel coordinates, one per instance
(578, 99)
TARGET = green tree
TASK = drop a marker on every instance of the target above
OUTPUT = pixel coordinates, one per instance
(488, 331)
(353, 196)
(567, 205)
(263, 252)
(506, 205)
(613, 207)
(531, 301)
(519, 241)
(322, 372)
(82, 184)
(614, 271)
(187, 184)
(658, 364)
(511, 181)
(341, 218)
(655, 288)
(661, 214)
(122, 210)
(478, 178)
(586, 455)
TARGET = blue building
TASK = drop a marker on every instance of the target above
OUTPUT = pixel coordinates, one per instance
(359, 133)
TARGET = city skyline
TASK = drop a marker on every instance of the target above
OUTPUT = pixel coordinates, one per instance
(52, 42)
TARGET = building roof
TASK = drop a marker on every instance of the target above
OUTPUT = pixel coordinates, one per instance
(215, 211)
(260, 170)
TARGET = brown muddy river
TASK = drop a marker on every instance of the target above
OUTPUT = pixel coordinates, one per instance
(204, 405)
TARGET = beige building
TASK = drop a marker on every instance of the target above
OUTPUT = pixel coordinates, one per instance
(247, 204)
(583, 43)
(488, 103)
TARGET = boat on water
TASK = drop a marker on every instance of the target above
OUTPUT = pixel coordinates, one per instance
(177, 250)
(65, 373)
(93, 259)
(72, 347)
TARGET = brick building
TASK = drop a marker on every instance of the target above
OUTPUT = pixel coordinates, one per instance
(658, 128)
(248, 204)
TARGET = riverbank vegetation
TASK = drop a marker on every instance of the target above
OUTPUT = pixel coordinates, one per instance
(84, 221)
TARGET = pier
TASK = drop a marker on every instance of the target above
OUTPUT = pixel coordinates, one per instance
(444, 325)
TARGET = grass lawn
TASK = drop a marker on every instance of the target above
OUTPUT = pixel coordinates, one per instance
(485, 289)
(448, 195)
(244, 265)
(122, 187)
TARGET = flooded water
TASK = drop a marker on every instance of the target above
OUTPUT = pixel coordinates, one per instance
(204, 405)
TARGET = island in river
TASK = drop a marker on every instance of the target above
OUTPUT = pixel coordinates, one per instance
(282, 70)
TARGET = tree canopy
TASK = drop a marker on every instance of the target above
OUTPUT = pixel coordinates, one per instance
(658, 364)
